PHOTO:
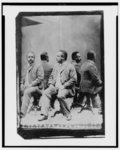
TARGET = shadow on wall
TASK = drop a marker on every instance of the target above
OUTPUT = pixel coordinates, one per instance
(78, 32)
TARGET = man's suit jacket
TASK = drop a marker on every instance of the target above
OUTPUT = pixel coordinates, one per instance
(77, 68)
(68, 76)
(90, 78)
(36, 76)
(47, 72)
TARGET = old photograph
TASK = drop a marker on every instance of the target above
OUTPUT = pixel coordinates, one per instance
(60, 74)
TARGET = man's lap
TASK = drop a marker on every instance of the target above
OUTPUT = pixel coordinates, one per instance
(52, 90)
(31, 90)
(63, 93)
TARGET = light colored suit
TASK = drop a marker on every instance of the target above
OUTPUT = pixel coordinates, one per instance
(68, 79)
(33, 83)
(68, 76)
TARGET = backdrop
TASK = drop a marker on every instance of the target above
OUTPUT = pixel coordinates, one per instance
(68, 32)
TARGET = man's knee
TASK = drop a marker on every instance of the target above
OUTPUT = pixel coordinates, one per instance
(49, 92)
(27, 92)
(46, 93)
(62, 94)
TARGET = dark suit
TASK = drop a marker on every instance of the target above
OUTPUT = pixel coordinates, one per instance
(90, 78)
(47, 72)
(68, 79)
(90, 81)
(77, 67)
(78, 94)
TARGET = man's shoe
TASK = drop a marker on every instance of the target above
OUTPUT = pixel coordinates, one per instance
(43, 117)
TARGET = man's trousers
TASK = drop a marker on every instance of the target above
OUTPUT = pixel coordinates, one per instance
(28, 93)
(62, 96)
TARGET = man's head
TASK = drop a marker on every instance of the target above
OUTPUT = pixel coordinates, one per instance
(91, 55)
(31, 57)
(76, 56)
(61, 56)
(44, 56)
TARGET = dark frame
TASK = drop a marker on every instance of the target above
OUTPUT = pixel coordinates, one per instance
(53, 132)
(3, 72)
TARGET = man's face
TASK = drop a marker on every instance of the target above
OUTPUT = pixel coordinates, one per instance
(78, 57)
(31, 58)
(60, 57)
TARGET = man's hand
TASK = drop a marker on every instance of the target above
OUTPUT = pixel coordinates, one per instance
(61, 87)
(28, 86)
(51, 86)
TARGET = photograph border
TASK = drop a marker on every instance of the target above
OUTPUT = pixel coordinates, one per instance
(50, 133)
(3, 69)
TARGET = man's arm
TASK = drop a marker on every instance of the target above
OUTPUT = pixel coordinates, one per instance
(95, 76)
(40, 76)
(73, 77)
(22, 82)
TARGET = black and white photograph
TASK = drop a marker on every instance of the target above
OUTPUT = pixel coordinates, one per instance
(62, 73)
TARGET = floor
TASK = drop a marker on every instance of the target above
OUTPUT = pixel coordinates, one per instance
(80, 120)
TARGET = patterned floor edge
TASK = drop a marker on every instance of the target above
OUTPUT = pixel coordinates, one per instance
(63, 126)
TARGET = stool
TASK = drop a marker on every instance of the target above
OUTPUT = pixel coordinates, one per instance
(88, 103)
(70, 99)
(34, 105)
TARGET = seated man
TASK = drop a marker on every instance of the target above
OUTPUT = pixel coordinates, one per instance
(61, 84)
(33, 82)
(91, 83)
(76, 61)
